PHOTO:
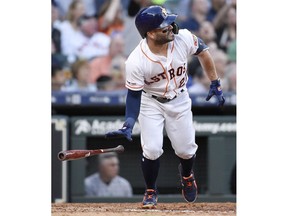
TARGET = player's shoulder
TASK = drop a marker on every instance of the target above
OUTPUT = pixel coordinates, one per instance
(186, 38)
(184, 34)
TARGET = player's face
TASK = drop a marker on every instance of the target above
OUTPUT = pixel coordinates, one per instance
(164, 35)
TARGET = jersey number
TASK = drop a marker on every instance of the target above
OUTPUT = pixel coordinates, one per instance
(182, 82)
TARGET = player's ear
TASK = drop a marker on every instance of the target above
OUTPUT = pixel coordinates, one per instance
(151, 35)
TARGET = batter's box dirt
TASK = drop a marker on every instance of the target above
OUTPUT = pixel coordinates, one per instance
(121, 209)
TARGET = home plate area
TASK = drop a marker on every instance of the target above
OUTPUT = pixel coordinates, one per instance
(121, 209)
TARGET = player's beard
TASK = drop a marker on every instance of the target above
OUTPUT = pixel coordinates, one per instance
(165, 38)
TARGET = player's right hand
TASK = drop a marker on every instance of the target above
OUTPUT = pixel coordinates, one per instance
(125, 131)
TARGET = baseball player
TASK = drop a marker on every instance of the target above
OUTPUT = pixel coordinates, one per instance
(156, 77)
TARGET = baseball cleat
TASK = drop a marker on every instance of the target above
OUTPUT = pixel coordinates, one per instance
(150, 199)
(189, 186)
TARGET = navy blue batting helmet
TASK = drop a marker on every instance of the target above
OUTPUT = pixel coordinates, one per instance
(153, 17)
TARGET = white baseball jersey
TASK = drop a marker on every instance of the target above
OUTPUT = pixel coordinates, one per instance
(158, 75)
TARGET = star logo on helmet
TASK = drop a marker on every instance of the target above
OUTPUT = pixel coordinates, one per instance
(164, 12)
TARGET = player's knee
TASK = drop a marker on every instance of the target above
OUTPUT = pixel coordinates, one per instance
(186, 153)
(152, 153)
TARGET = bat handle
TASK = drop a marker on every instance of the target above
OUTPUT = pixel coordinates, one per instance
(119, 148)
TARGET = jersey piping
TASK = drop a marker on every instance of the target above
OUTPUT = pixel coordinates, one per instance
(158, 62)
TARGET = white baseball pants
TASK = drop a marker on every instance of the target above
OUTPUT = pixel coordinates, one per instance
(176, 117)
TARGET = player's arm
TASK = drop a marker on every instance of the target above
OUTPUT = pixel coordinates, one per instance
(134, 84)
(133, 102)
(208, 66)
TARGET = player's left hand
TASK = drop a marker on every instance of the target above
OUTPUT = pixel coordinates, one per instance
(215, 89)
(125, 131)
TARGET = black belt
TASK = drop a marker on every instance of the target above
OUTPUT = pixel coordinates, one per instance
(163, 99)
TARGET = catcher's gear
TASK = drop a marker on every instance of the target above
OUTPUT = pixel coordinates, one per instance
(215, 89)
(154, 17)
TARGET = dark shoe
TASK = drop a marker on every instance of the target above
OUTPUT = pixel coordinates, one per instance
(189, 186)
(150, 199)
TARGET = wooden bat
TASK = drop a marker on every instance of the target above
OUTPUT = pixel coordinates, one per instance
(79, 154)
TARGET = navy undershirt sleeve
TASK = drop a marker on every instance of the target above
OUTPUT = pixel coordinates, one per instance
(133, 102)
(202, 46)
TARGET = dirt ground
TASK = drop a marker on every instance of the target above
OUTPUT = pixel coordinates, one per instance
(121, 209)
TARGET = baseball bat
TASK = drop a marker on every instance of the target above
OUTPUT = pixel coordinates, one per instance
(79, 154)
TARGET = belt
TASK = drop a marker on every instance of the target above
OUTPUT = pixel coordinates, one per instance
(163, 99)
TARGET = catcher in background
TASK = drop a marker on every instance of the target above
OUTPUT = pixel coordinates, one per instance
(156, 77)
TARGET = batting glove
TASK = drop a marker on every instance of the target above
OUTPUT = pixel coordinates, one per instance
(215, 89)
(125, 131)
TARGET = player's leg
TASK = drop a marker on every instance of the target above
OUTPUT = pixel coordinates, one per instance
(180, 129)
(181, 132)
(151, 122)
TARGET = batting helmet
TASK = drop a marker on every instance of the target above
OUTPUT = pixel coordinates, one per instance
(153, 17)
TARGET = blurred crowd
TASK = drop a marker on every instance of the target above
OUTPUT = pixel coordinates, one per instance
(91, 40)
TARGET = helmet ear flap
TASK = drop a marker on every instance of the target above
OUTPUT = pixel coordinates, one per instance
(175, 29)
